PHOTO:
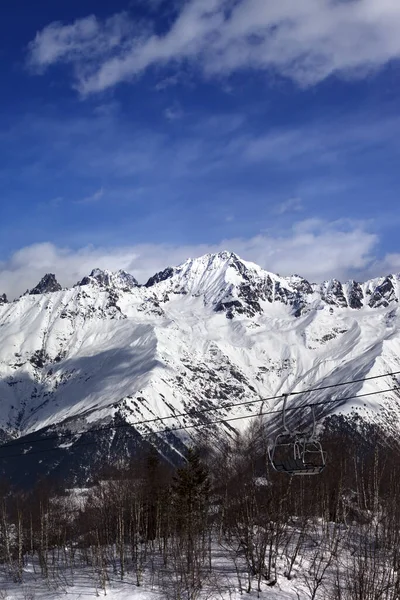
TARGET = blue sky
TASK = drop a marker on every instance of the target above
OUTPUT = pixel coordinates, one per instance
(135, 134)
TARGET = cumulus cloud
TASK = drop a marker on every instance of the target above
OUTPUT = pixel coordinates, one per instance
(313, 248)
(306, 40)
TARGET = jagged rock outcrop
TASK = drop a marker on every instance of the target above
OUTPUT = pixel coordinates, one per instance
(332, 293)
(161, 276)
(384, 294)
(107, 279)
(48, 283)
(3, 299)
(355, 295)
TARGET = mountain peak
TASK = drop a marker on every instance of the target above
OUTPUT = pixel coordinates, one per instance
(200, 264)
(110, 279)
(224, 255)
(217, 261)
(48, 283)
(3, 299)
(223, 279)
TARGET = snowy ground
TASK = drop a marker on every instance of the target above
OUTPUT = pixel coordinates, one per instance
(83, 585)
(227, 581)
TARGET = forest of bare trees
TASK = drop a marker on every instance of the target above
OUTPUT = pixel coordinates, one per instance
(223, 520)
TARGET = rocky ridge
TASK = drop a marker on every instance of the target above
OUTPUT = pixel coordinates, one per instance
(234, 286)
(241, 287)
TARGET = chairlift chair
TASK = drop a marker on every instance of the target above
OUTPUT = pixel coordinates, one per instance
(296, 453)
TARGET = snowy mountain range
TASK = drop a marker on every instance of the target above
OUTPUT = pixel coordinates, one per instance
(214, 331)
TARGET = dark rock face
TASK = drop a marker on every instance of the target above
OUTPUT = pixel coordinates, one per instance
(332, 293)
(384, 294)
(251, 297)
(48, 283)
(230, 307)
(356, 295)
(39, 358)
(3, 299)
(85, 281)
(161, 276)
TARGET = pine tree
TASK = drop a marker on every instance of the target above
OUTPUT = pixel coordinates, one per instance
(191, 497)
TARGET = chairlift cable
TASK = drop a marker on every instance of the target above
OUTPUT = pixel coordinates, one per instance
(201, 411)
(173, 429)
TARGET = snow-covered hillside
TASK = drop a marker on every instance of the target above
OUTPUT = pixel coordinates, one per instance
(215, 330)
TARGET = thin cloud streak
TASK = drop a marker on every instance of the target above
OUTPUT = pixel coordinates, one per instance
(305, 41)
(104, 147)
(86, 151)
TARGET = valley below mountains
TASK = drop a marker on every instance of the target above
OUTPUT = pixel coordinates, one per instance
(94, 374)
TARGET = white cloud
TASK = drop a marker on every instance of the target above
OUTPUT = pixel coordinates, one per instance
(306, 40)
(313, 248)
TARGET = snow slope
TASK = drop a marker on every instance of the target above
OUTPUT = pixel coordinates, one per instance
(213, 331)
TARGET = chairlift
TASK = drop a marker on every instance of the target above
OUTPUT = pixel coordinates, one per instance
(296, 453)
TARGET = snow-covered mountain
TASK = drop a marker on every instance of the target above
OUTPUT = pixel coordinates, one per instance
(213, 331)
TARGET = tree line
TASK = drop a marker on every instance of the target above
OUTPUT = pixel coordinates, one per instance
(221, 521)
